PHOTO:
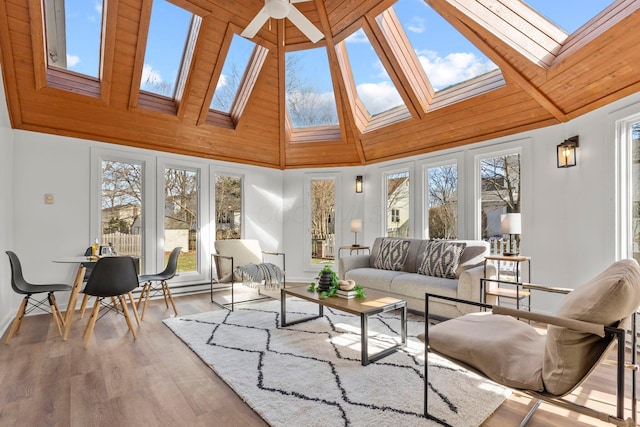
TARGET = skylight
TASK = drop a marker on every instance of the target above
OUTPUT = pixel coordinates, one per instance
(73, 30)
(309, 89)
(168, 35)
(235, 65)
(373, 84)
(569, 14)
(446, 56)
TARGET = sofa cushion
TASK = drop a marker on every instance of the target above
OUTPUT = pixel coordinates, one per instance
(373, 278)
(504, 349)
(416, 285)
(393, 254)
(606, 299)
(441, 258)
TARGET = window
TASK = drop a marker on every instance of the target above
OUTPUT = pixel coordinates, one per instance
(629, 137)
(373, 84)
(235, 65)
(398, 205)
(73, 35)
(309, 90)
(181, 202)
(499, 193)
(323, 218)
(442, 201)
(228, 207)
(121, 219)
(167, 57)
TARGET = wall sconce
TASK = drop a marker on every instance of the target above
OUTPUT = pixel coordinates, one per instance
(359, 184)
(511, 224)
(356, 227)
(567, 152)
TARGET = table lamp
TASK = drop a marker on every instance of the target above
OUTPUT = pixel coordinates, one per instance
(356, 227)
(511, 225)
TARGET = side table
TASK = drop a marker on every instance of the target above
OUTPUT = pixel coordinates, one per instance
(353, 248)
(506, 288)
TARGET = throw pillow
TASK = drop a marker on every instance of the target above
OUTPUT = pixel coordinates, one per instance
(393, 253)
(441, 258)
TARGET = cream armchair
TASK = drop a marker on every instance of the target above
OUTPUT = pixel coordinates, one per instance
(499, 345)
(243, 261)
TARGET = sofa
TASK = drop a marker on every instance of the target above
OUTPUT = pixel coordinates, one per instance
(408, 268)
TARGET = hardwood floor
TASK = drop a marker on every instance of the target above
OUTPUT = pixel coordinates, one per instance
(158, 381)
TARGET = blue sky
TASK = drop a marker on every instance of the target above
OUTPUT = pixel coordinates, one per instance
(447, 57)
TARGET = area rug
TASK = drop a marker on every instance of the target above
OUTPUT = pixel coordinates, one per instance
(310, 373)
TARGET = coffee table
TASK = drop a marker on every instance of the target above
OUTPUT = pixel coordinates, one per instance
(374, 303)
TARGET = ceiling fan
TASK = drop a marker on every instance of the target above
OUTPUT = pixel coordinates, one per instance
(279, 9)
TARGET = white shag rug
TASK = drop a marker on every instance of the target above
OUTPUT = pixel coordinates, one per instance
(310, 373)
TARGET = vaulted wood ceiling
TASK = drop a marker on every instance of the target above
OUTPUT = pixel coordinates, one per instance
(547, 80)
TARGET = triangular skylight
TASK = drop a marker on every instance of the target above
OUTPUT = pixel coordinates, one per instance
(446, 56)
(373, 84)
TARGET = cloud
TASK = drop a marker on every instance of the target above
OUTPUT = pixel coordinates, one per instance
(222, 81)
(72, 60)
(150, 76)
(98, 7)
(379, 97)
(416, 25)
(453, 68)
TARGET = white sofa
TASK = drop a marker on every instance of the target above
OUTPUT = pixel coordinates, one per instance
(407, 283)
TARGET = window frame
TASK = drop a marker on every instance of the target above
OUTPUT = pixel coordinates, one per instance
(408, 168)
(215, 171)
(336, 177)
(624, 185)
(447, 160)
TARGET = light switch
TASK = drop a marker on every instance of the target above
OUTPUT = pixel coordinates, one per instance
(48, 199)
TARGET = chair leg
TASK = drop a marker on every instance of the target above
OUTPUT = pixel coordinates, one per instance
(83, 306)
(146, 290)
(165, 285)
(141, 297)
(125, 311)
(16, 322)
(91, 323)
(54, 312)
(60, 315)
(134, 308)
(164, 294)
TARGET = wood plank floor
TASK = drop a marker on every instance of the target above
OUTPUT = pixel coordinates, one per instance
(156, 380)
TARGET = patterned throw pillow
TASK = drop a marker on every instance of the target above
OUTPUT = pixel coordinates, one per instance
(393, 253)
(441, 258)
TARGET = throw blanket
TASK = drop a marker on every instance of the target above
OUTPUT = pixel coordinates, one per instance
(254, 274)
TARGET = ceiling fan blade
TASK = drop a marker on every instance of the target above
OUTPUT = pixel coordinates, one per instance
(255, 24)
(299, 1)
(304, 25)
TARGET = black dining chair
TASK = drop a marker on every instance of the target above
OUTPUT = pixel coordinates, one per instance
(168, 273)
(112, 279)
(21, 286)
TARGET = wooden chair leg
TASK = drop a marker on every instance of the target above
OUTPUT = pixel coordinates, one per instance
(83, 306)
(141, 297)
(134, 308)
(165, 285)
(125, 311)
(146, 300)
(91, 323)
(60, 315)
(164, 294)
(54, 312)
(18, 319)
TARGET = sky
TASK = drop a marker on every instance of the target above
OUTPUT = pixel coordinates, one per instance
(447, 57)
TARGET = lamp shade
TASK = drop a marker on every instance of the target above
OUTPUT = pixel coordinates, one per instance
(511, 223)
(356, 225)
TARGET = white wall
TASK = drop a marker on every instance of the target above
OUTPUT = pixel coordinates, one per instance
(8, 300)
(569, 215)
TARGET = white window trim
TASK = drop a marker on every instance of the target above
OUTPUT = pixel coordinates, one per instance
(406, 167)
(215, 170)
(624, 186)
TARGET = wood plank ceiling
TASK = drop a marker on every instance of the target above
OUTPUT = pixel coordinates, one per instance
(546, 79)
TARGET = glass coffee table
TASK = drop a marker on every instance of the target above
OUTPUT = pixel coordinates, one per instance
(374, 303)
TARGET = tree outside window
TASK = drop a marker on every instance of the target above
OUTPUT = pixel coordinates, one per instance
(442, 201)
(397, 204)
(228, 205)
(323, 196)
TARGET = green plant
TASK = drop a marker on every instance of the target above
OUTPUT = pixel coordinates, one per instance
(334, 283)
(312, 287)
(359, 292)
